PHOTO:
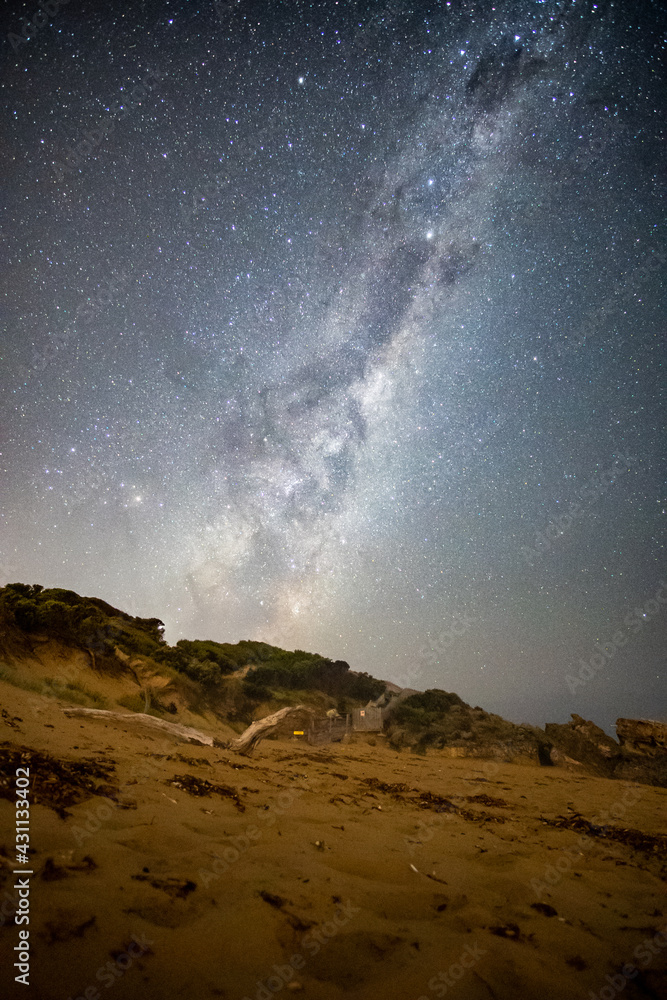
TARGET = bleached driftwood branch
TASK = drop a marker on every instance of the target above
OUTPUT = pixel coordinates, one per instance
(136, 718)
(244, 744)
(255, 732)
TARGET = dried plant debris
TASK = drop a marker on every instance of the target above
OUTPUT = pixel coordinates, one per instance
(276, 901)
(200, 786)
(397, 791)
(645, 842)
(177, 888)
(10, 720)
(58, 931)
(427, 800)
(194, 761)
(545, 909)
(487, 800)
(438, 803)
(512, 932)
(55, 783)
(51, 872)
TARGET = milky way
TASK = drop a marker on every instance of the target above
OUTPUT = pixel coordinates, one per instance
(342, 329)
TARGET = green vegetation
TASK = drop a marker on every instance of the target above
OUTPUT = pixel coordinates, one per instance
(50, 687)
(207, 662)
(431, 718)
(88, 623)
(137, 703)
(82, 622)
(307, 672)
(438, 718)
(426, 709)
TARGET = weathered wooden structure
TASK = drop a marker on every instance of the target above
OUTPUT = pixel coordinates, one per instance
(368, 720)
(329, 730)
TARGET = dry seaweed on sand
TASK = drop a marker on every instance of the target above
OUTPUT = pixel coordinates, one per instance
(51, 872)
(397, 791)
(437, 803)
(55, 783)
(177, 888)
(200, 786)
(487, 800)
(645, 842)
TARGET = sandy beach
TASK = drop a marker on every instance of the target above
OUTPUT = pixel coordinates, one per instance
(163, 869)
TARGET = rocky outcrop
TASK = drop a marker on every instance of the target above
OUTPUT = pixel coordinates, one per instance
(582, 742)
(642, 736)
(640, 755)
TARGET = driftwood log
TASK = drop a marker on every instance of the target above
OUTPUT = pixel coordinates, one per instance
(248, 740)
(243, 744)
(136, 718)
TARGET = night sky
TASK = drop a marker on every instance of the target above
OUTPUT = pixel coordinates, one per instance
(341, 326)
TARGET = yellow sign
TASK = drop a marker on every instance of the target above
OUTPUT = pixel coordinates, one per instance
(298, 732)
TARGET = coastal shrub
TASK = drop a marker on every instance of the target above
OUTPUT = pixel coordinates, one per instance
(301, 671)
(208, 651)
(255, 690)
(206, 672)
(428, 709)
(92, 624)
(86, 623)
(204, 661)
